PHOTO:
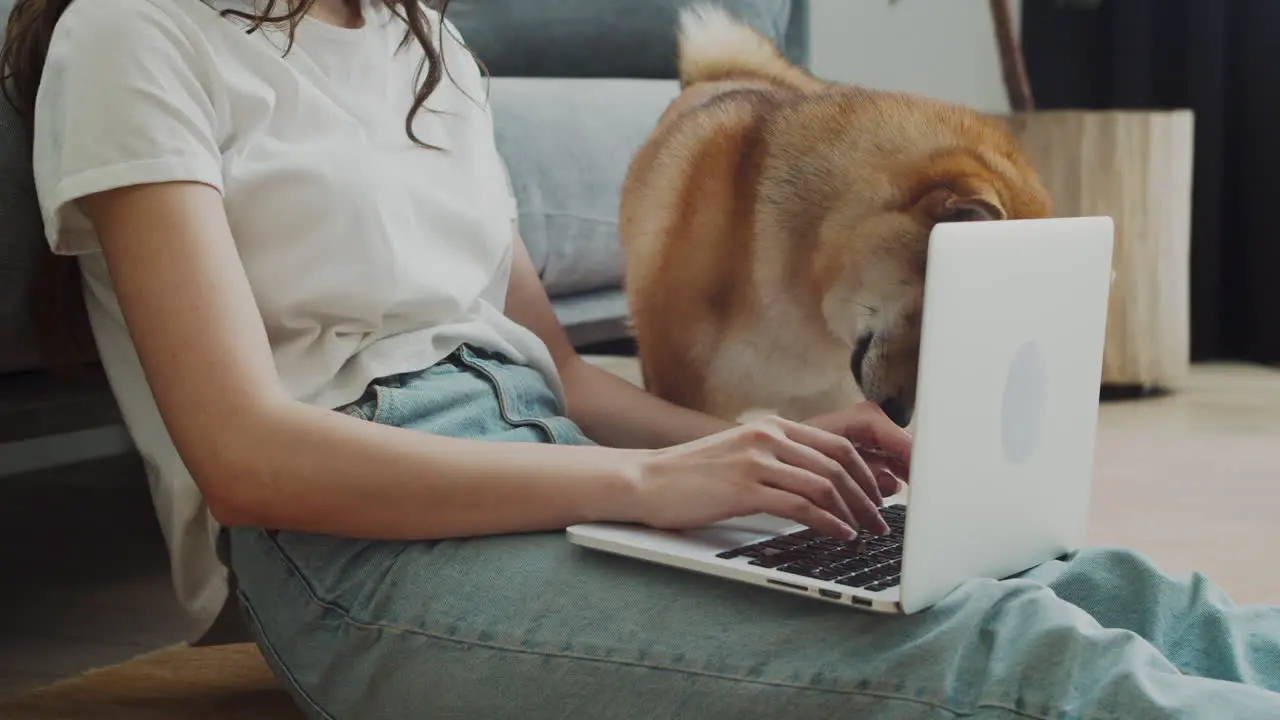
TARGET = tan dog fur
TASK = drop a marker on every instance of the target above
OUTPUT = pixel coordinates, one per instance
(772, 219)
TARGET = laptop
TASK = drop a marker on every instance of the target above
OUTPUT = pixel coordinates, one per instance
(1005, 422)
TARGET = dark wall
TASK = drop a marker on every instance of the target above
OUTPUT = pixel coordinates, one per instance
(1222, 59)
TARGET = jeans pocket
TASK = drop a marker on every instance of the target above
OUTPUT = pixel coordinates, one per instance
(367, 407)
(377, 405)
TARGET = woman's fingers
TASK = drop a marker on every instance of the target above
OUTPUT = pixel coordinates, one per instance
(790, 471)
(872, 432)
(880, 461)
(797, 508)
(875, 432)
(888, 482)
(851, 475)
(800, 472)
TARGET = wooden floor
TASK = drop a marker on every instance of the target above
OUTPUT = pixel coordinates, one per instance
(1193, 480)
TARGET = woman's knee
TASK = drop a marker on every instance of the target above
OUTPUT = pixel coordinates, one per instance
(1017, 644)
(1126, 589)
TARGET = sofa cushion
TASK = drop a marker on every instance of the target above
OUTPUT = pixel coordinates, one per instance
(567, 144)
(603, 38)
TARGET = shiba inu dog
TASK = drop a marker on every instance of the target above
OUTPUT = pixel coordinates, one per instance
(775, 228)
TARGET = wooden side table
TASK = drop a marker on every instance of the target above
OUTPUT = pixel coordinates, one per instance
(1136, 167)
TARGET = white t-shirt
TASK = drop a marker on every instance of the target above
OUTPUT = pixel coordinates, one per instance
(367, 255)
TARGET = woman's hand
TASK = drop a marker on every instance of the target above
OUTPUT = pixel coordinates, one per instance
(884, 446)
(774, 466)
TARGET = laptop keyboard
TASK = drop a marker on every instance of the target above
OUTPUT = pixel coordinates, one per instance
(867, 561)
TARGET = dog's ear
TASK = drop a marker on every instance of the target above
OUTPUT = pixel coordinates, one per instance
(962, 201)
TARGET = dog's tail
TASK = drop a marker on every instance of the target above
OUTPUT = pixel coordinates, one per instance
(714, 45)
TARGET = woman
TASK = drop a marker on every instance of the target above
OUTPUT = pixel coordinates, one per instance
(282, 211)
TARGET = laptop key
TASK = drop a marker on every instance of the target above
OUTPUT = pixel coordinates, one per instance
(883, 572)
(857, 564)
(856, 580)
(796, 569)
(770, 551)
(809, 570)
(830, 559)
(774, 560)
(846, 553)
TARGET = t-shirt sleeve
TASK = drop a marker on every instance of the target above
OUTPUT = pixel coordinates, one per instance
(126, 99)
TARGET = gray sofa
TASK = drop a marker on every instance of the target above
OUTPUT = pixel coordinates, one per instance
(576, 85)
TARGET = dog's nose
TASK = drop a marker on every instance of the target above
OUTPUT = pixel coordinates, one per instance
(897, 411)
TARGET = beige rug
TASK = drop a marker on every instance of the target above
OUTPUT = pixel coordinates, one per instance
(1193, 480)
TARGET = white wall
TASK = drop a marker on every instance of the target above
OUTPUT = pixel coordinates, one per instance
(941, 48)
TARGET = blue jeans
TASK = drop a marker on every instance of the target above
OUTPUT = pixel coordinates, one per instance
(530, 626)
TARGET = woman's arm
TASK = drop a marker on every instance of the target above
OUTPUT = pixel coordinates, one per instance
(262, 458)
(609, 410)
(614, 412)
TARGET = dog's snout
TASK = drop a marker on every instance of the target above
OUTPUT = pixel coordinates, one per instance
(859, 355)
(897, 411)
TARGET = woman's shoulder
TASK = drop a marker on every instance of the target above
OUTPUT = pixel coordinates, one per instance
(103, 15)
(133, 26)
(122, 45)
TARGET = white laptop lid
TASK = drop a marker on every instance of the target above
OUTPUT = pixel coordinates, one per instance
(1006, 412)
